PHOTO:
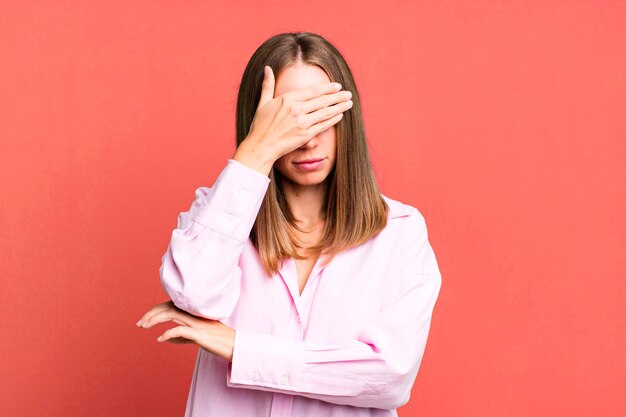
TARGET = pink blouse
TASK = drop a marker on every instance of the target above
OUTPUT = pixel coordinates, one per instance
(350, 345)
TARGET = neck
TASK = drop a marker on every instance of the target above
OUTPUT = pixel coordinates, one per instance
(307, 203)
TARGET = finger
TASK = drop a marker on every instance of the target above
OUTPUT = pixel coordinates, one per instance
(154, 311)
(327, 113)
(313, 91)
(325, 101)
(180, 331)
(326, 124)
(171, 314)
(267, 89)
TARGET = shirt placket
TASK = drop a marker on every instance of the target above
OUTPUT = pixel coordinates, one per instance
(282, 403)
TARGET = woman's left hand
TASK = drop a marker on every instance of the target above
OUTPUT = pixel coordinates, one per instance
(211, 335)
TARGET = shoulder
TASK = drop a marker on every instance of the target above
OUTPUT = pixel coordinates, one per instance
(399, 210)
(405, 223)
(407, 233)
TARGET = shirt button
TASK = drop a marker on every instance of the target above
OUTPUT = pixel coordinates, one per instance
(256, 376)
(243, 194)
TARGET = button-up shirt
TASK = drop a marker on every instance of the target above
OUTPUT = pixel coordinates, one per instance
(349, 345)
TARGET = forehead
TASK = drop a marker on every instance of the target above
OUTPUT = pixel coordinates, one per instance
(299, 76)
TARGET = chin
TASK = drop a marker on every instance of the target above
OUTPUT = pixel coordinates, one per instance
(313, 178)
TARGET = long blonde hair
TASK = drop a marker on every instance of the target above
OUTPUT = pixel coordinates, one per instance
(355, 209)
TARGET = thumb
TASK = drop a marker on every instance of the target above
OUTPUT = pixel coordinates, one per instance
(267, 90)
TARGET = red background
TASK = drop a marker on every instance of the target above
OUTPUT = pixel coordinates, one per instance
(503, 122)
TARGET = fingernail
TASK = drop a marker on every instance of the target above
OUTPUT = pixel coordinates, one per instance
(337, 86)
(139, 323)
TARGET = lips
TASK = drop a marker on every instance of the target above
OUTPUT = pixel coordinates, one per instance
(308, 161)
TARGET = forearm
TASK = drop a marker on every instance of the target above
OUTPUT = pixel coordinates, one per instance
(255, 156)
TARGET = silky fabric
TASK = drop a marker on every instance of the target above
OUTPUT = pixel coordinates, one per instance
(349, 345)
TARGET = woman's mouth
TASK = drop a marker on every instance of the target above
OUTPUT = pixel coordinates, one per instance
(309, 164)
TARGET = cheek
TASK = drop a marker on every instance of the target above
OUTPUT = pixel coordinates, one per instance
(281, 163)
(330, 140)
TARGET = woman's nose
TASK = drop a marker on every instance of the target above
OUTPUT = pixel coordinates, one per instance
(311, 143)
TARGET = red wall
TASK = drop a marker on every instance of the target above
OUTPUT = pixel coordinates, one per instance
(503, 122)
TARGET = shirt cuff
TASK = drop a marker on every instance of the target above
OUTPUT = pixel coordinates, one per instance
(265, 360)
(233, 202)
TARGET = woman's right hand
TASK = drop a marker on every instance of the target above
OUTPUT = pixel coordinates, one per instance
(284, 123)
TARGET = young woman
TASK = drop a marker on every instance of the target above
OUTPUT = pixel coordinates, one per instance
(308, 292)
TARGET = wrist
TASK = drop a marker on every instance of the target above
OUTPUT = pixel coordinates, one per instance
(231, 345)
(254, 157)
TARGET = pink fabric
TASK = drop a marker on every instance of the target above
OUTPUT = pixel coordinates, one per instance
(350, 345)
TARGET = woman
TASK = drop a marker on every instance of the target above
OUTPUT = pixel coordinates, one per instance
(308, 292)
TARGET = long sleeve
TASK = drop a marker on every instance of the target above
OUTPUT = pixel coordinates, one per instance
(199, 271)
(376, 369)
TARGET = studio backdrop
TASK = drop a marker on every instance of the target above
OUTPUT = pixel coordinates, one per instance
(503, 122)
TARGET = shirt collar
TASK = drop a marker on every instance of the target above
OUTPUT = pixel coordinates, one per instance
(396, 208)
